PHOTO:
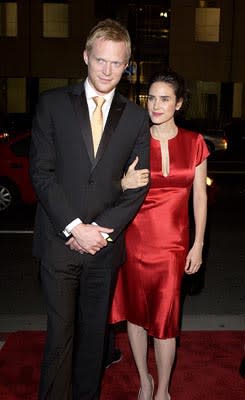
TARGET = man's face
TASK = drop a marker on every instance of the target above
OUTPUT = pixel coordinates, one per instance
(106, 62)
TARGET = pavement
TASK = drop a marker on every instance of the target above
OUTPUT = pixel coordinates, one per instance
(215, 297)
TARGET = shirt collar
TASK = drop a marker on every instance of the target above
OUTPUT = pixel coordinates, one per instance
(91, 92)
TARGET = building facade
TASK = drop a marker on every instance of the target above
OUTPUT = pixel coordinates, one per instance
(207, 46)
(41, 45)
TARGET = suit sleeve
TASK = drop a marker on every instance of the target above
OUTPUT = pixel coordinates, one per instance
(43, 168)
(130, 200)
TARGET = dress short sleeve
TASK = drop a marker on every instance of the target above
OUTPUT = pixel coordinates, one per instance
(202, 151)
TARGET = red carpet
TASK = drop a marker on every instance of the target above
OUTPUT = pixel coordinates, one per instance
(207, 368)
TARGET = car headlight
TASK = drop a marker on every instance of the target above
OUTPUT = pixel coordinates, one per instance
(4, 136)
(209, 181)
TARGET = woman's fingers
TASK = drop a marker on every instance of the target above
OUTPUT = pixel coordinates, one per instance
(192, 267)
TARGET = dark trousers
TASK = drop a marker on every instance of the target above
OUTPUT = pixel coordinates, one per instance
(77, 296)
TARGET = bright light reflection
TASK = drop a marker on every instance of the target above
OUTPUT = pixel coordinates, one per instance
(225, 144)
(4, 135)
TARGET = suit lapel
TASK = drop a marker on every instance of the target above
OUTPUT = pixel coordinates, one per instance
(78, 100)
(117, 107)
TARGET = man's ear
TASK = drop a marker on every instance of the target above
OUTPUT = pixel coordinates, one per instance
(85, 57)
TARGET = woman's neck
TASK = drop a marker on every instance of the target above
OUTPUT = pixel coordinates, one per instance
(164, 131)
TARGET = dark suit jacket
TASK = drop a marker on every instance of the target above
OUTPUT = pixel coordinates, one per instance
(70, 183)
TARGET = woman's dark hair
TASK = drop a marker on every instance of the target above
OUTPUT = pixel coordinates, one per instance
(175, 80)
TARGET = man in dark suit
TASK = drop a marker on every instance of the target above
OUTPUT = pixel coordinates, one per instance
(83, 211)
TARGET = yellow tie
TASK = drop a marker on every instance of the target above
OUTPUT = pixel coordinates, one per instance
(97, 122)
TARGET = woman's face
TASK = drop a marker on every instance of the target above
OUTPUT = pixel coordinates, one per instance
(162, 102)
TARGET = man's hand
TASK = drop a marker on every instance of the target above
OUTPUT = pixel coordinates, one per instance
(73, 244)
(88, 238)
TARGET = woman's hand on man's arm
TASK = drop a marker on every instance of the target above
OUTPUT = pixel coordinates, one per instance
(135, 178)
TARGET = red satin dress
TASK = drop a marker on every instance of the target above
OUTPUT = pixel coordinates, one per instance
(148, 287)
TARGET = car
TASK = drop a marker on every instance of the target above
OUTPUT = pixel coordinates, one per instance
(215, 139)
(15, 183)
(235, 132)
(212, 190)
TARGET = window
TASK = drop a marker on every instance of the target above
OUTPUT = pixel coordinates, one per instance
(205, 100)
(207, 24)
(8, 19)
(21, 148)
(55, 20)
(50, 83)
(146, 68)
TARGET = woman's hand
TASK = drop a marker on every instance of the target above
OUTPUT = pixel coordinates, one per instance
(194, 259)
(135, 178)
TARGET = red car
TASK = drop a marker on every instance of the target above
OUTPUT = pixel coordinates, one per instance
(15, 184)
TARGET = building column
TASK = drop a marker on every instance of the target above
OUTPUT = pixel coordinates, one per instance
(237, 100)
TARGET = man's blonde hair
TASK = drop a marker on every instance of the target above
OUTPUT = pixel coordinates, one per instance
(109, 29)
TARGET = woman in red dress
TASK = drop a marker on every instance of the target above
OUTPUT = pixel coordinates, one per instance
(147, 294)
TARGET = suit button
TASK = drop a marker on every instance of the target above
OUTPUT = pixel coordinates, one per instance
(90, 181)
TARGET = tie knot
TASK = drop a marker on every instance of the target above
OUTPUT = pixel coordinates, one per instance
(99, 101)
